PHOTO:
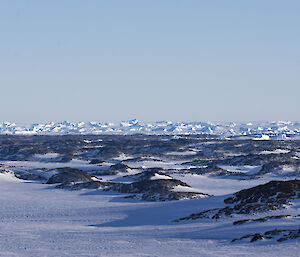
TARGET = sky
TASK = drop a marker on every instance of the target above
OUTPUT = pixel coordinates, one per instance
(151, 60)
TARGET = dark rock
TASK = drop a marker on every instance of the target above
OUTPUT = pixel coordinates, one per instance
(29, 176)
(156, 190)
(264, 219)
(147, 174)
(273, 191)
(213, 171)
(69, 175)
(96, 161)
(270, 196)
(84, 185)
(256, 237)
(283, 234)
(119, 167)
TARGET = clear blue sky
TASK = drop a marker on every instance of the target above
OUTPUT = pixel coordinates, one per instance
(150, 60)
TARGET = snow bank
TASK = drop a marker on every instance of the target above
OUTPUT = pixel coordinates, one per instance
(159, 176)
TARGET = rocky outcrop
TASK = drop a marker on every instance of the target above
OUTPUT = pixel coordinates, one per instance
(156, 190)
(212, 171)
(276, 192)
(267, 197)
(65, 175)
(147, 174)
(83, 185)
(119, 167)
(29, 176)
(264, 219)
(279, 235)
(96, 161)
(286, 168)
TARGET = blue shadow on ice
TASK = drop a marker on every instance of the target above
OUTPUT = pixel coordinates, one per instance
(162, 213)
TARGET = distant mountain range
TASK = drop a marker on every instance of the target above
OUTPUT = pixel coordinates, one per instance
(264, 130)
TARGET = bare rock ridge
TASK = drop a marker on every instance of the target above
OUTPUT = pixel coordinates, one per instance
(157, 190)
(65, 175)
(273, 191)
(267, 197)
(279, 235)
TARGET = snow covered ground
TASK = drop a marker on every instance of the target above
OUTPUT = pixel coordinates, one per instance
(37, 220)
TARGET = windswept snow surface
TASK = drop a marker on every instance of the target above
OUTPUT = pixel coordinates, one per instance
(158, 176)
(215, 186)
(8, 176)
(37, 221)
(46, 157)
(180, 188)
(277, 151)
